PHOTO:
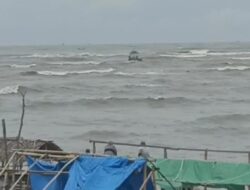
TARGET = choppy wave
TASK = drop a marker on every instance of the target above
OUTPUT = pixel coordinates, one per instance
(142, 85)
(160, 101)
(228, 53)
(230, 68)
(241, 58)
(14, 89)
(65, 73)
(104, 134)
(9, 90)
(235, 118)
(134, 74)
(76, 63)
(203, 53)
(70, 55)
(196, 53)
(22, 66)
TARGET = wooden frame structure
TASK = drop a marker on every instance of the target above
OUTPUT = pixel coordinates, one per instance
(16, 175)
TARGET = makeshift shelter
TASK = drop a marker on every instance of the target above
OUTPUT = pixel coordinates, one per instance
(90, 173)
(12, 144)
(189, 173)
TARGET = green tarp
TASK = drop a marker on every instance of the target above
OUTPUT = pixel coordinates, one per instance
(211, 174)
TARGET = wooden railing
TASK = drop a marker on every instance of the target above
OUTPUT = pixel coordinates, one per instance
(166, 148)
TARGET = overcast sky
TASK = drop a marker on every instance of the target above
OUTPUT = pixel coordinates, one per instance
(123, 21)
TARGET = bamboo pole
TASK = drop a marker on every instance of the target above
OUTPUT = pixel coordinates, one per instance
(61, 170)
(24, 173)
(7, 164)
(144, 187)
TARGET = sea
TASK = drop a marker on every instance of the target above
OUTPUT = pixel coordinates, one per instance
(191, 95)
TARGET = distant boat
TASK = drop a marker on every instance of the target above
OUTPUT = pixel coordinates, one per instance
(134, 56)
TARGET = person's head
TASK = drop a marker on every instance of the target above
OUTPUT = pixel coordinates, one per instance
(110, 143)
(143, 143)
(87, 151)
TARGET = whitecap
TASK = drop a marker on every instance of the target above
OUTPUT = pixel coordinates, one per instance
(239, 68)
(241, 58)
(133, 74)
(199, 51)
(9, 90)
(76, 63)
(22, 66)
(63, 73)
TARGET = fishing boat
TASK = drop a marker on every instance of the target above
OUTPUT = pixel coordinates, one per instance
(134, 56)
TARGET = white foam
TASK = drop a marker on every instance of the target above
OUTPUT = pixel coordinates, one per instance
(239, 68)
(132, 74)
(199, 51)
(228, 53)
(9, 90)
(22, 66)
(63, 73)
(76, 63)
(241, 58)
(69, 55)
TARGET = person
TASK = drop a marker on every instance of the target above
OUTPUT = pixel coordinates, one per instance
(87, 151)
(110, 149)
(143, 153)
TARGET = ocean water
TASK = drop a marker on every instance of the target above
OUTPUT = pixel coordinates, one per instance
(180, 95)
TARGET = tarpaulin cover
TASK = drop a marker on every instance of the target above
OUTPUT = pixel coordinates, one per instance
(111, 173)
(213, 174)
(39, 181)
(91, 173)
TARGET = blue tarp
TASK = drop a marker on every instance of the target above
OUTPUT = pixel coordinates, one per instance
(93, 173)
(39, 181)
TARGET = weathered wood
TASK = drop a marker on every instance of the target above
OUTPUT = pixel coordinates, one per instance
(22, 91)
(144, 185)
(7, 164)
(5, 141)
(165, 153)
(24, 173)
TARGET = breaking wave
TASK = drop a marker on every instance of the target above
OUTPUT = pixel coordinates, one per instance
(9, 90)
(71, 55)
(142, 85)
(14, 89)
(65, 73)
(76, 63)
(230, 68)
(203, 53)
(241, 58)
(134, 74)
(22, 66)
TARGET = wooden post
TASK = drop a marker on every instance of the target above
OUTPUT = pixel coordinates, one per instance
(94, 147)
(205, 157)
(5, 141)
(248, 187)
(165, 153)
(206, 154)
(5, 182)
(145, 176)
